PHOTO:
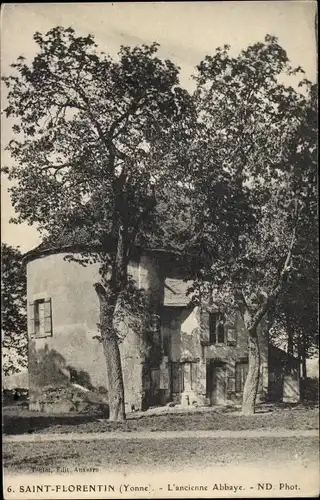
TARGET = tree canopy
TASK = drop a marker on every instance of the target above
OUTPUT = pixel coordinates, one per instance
(296, 312)
(14, 315)
(88, 129)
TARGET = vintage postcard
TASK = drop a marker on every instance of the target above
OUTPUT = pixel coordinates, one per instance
(159, 255)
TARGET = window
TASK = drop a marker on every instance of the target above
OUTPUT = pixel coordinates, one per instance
(40, 318)
(216, 328)
(241, 375)
(166, 343)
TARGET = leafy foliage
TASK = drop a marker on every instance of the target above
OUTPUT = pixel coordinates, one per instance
(296, 312)
(89, 130)
(14, 317)
(247, 197)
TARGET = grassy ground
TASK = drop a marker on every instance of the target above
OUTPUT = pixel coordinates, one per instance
(20, 421)
(165, 454)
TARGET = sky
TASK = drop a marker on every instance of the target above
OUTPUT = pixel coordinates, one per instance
(186, 31)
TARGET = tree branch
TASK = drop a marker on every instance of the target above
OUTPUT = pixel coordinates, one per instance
(151, 203)
(55, 167)
(124, 116)
(282, 276)
(101, 291)
(241, 301)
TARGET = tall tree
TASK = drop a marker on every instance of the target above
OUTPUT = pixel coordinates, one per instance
(296, 312)
(248, 196)
(14, 317)
(92, 147)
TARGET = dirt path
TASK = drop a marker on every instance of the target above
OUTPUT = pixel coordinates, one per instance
(103, 436)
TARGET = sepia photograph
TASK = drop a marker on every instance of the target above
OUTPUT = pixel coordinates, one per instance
(159, 250)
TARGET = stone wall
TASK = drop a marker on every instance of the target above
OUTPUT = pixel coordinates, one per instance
(189, 344)
(69, 361)
(151, 278)
(71, 345)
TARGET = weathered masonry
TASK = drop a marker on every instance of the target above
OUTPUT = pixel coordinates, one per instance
(196, 356)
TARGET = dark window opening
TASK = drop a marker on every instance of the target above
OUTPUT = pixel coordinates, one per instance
(166, 345)
(217, 328)
(39, 317)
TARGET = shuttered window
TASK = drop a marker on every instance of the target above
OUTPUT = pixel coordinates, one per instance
(231, 384)
(241, 375)
(40, 318)
(231, 333)
(194, 376)
(216, 329)
(31, 325)
(204, 327)
(155, 380)
(177, 377)
(231, 380)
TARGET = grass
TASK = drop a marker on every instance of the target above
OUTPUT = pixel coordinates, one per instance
(20, 421)
(165, 454)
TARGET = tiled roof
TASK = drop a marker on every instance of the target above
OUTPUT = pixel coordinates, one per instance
(81, 240)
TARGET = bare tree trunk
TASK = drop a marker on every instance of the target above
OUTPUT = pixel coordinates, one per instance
(252, 382)
(290, 332)
(299, 356)
(303, 359)
(251, 322)
(304, 367)
(112, 355)
(109, 299)
(114, 376)
(302, 356)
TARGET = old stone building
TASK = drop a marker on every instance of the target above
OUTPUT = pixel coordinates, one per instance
(196, 356)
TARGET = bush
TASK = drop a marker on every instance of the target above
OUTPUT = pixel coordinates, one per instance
(15, 397)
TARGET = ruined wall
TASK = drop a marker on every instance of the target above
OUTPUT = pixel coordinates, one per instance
(187, 346)
(151, 278)
(189, 342)
(70, 347)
